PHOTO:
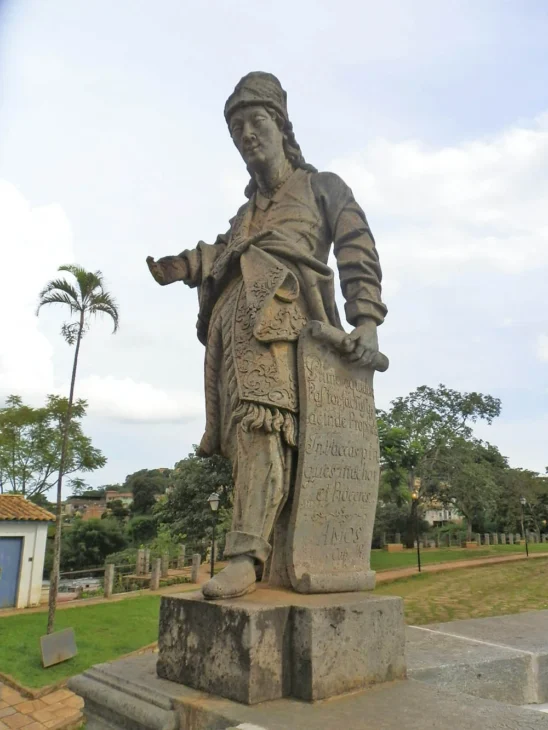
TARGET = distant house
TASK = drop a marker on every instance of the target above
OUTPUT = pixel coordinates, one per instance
(23, 535)
(93, 512)
(80, 504)
(125, 497)
(437, 514)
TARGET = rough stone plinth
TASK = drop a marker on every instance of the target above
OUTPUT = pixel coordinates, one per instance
(275, 643)
(127, 695)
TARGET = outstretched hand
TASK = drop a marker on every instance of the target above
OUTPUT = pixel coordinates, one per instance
(362, 344)
(168, 269)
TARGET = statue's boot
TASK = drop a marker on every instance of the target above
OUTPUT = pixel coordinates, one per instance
(237, 579)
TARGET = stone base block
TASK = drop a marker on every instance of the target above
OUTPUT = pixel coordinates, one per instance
(127, 695)
(503, 658)
(273, 644)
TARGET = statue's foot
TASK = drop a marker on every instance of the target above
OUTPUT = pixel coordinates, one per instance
(237, 579)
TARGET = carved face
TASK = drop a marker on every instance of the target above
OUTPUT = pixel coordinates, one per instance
(256, 135)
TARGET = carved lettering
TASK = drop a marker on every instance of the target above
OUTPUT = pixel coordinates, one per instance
(338, 472)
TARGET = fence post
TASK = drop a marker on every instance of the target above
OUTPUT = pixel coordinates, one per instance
(196, 562)
(140, 561)
(181, 557)
(109, 580)
(165, 565)
(147, 560)
(155, 575)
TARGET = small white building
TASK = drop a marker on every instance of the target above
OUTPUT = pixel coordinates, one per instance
(437, 514)
(23, 535)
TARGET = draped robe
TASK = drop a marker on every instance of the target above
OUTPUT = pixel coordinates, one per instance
(259, 284)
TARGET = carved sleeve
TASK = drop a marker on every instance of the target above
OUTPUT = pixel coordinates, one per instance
(199, 260)
(354, 248)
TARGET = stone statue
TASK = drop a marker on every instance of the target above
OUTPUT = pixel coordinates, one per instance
(259, 285)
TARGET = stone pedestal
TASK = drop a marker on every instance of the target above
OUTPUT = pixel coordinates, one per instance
(273, 644)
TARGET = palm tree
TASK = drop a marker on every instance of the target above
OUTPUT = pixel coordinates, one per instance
(84, 298)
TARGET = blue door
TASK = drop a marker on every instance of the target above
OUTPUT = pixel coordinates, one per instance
(10, 562)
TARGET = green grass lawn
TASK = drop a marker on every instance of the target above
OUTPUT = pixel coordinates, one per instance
(382, 560)
(103, 632)
(489, 590)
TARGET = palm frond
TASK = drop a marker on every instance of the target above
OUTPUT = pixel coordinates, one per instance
(57, 297)
(64, 287)
(88, 281)
(104, 303)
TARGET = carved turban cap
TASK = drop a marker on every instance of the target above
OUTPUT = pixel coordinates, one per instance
(257, 87)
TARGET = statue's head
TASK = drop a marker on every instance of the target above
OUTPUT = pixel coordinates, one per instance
(256, 114)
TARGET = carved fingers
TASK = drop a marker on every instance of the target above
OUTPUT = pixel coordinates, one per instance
(361, 346)
(168, 269)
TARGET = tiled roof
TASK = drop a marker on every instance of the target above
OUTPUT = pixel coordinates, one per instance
(15, 507)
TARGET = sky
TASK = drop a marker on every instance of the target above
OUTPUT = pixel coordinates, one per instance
(113, 146)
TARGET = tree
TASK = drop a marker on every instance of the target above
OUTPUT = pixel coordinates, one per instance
(419, 433)
(31, 442)
(144, 496)
(185, 509)
(146, 485)
(117, 509)
(518, 483)
(142, 529)
(84, 299)
(87, 544)
(469, 476)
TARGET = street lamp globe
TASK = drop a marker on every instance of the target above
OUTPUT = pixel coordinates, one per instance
(523, 501)
(414, 495)
(214, 500)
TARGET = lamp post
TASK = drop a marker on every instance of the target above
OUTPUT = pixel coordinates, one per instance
(415, 498)
(523, 502)
(213, 500)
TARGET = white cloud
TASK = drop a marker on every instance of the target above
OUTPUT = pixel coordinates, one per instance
(476, 205)
(542, 347)
(124, 399)
(35, 241)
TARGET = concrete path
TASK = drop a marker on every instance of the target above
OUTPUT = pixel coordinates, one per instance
(389, 575)
(60, 709)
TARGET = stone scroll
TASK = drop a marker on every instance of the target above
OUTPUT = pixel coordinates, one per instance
(337, 481)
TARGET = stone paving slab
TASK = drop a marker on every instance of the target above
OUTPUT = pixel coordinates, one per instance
(483, 670)
(523, 631)
(503, 657)
(60, 710)
(412, 705)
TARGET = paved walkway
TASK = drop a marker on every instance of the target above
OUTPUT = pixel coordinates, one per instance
(60, 709)
(388, 575)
